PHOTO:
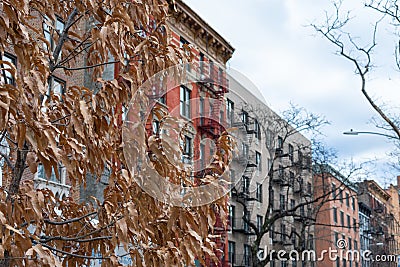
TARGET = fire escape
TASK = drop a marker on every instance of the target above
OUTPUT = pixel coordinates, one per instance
(243, 192)
(212, 126)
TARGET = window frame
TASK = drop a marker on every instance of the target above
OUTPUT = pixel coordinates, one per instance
(9, 79)
(258, 161)
(231, 252)
(259, 192)
(230, 107)
(184, 102)
(259, 222)
(47, 29)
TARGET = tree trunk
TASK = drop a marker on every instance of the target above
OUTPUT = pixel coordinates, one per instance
(13, 189)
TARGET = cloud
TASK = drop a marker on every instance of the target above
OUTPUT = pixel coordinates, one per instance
(288, 62)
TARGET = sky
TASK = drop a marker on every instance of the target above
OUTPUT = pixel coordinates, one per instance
(289, 63)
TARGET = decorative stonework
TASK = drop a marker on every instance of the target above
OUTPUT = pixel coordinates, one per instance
(198, 32)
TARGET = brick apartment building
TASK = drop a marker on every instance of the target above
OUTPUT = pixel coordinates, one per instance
(337, 221)
(56, 85)
(379, 227)
(200, 104)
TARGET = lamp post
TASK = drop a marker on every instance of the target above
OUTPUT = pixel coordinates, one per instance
(352, 132)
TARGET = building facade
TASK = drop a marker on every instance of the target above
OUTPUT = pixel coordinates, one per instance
(337, 221)
(376, 222)
(57, 83)
(273, 175)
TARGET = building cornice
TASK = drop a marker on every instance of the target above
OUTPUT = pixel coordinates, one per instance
(379, 190)
(213, 40)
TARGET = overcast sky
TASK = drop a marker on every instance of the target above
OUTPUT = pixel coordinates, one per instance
(288, 62)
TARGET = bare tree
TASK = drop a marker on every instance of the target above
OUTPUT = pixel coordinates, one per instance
(362, 54)
(292, 205)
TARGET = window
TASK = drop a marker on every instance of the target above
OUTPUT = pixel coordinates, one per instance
(61, 173)
(341, 195)
(185, 45)
(48, 25)
(201, 106)
(246, 184)
(187, 150)
(259, 222)
(259, 192)
(292, 204)
(162, 100)
(293, 236)
(311, 242)
(56, 87)
(201, 58)
(280, 143)
(231, 252)
(291, 178)
(291, 151)
(336, 238)
(5, 75)
(246, 226)
(282, 204)
(355, 245)
(354, 224)
(156, 127)
(232, 216)
(335, 220)
(211, 70)
(353, 203)
(258, 160)
(272, 232)
(202, 155)
(272, 198)
(347, 199)
(350, 244)
(5, 150)
(185, 101)
(341, 218)
(230, 106)
(283, 232)
(348, 221)
(302, 212)
(333, 191)
(257, 129)
(300, 156)
(280, 171)
(220, 77)
(247, 255)
(245, 117)
(309, 188)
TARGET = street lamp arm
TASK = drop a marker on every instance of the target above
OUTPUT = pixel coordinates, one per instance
(352, 132)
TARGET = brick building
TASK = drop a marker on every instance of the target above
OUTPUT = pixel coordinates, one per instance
(337, 221)
(379, 227)
(57, 83)
(200, 103)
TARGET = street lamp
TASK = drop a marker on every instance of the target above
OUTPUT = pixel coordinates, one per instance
(352, 132)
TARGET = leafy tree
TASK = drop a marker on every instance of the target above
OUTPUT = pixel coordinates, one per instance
(82, 131)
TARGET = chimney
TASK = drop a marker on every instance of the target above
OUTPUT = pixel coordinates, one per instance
(398, 180)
